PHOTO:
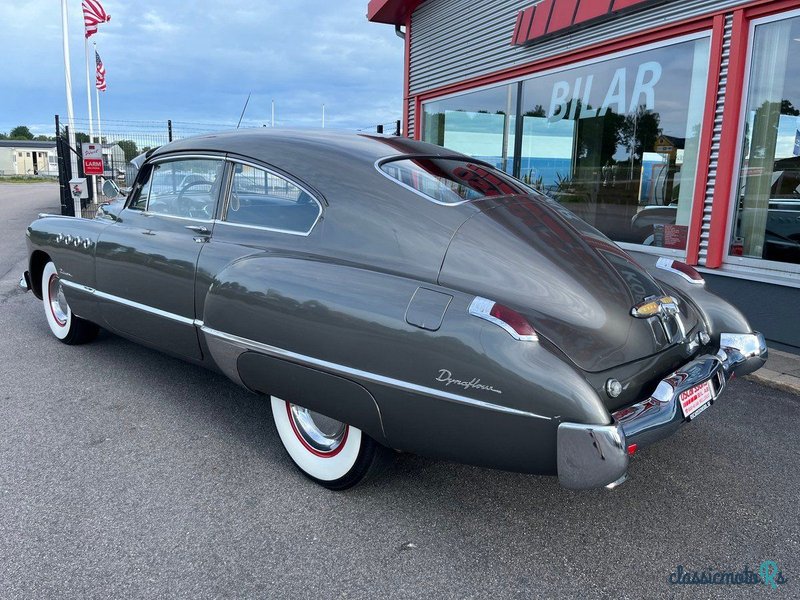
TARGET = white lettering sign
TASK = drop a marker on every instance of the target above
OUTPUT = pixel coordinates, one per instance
(616, 97)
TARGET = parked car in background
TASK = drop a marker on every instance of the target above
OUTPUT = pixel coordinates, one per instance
(390, 294)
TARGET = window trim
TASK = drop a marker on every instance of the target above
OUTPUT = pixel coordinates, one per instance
(769, 266)
(174, 158)
(223, 214)
(463, 158)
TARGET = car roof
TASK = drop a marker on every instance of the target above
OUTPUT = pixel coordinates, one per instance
(269, 144)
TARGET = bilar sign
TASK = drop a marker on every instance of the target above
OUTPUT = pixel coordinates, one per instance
(92, 159)
(626, 91)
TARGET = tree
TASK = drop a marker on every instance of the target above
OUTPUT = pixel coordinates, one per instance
(129, 148)
(81, 137)
(20, 132)
(3, 136)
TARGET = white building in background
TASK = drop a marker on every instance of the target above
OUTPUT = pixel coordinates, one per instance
(27, 157)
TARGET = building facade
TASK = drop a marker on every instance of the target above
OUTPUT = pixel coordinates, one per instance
(673, 126)
(28, 157)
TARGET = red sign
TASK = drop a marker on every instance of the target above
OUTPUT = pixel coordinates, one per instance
(551, 16)
(675, 236)
(92, 166)
(92, 159)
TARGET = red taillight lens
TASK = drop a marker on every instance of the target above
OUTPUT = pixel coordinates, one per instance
(513, 319)
(690, 274)
(502, 316)
(632, 448)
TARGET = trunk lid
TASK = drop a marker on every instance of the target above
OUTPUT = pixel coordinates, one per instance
(574, 285)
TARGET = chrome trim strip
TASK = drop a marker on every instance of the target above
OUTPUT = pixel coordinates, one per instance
(148, 213)
(366, 375)
(248, 344)
(259, 227)
(143, 307)
(187, 154)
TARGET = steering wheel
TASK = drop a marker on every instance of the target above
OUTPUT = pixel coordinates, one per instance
(185, 205)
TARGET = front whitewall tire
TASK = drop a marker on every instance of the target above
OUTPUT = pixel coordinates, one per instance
(59, 321)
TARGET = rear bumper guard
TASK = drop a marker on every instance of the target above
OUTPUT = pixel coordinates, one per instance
(592, 456)
(25, 281)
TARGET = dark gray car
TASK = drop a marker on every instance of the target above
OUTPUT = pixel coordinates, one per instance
(391, 294)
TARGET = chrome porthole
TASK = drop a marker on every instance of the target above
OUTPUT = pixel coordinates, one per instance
(318, 433)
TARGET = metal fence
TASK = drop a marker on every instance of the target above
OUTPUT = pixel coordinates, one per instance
(121, 142)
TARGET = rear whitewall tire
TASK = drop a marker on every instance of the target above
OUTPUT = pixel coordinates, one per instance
(67, 327)
(356, 458)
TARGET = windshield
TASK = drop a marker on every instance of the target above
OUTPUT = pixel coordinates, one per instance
(452, 181)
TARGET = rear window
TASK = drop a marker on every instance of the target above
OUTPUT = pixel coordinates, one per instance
(451, 181)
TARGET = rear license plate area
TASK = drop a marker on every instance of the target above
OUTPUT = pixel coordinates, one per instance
(696, 399)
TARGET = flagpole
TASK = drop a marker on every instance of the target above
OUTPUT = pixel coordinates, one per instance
(89, 104)
(323, 116)
(273, 113)
(97, 103)
(68, 85)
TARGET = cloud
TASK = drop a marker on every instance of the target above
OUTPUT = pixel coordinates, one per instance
(196, 61)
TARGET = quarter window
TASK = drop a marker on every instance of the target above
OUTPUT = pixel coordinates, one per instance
(260, 198)
(452, 181)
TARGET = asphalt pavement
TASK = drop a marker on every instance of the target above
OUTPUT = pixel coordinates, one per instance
(128, 474)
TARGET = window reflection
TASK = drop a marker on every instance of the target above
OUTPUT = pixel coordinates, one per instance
(615, 141)
(767, 216)
(480, 124)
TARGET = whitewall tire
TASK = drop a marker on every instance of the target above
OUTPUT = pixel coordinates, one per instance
(67, 327)
(331, 453)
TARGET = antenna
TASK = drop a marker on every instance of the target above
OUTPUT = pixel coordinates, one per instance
(243, 109)
(323, 116)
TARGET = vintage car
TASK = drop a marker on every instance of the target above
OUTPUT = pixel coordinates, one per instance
(391, 294)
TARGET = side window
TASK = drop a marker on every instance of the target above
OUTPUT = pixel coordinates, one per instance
(185, 188)
(141, 191)
(260, 198)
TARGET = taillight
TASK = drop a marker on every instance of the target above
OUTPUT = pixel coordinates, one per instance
(690, 274)
(502, 316)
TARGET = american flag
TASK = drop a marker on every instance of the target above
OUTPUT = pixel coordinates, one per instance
(100, 80)
(93, 15)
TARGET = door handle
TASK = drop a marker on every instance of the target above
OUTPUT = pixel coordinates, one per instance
(199, 229)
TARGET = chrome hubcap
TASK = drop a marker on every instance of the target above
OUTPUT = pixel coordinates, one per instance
(318, 431)
(58, 302)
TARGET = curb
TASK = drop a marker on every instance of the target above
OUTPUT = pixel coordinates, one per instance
(774, 379)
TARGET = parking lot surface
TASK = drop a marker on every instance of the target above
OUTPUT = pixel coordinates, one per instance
(126, 473)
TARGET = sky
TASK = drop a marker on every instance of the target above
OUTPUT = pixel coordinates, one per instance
(196, 61)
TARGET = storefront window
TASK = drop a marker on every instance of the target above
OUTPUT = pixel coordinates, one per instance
(767, 216)
(480, 124)
(617, 141)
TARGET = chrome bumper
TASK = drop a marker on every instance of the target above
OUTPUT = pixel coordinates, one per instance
(591, 456)
(25, 281)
